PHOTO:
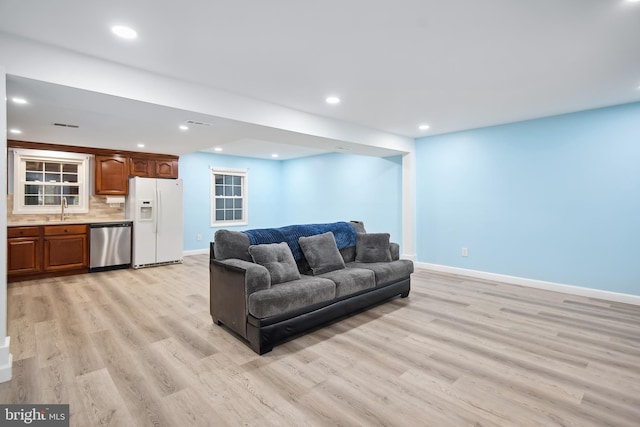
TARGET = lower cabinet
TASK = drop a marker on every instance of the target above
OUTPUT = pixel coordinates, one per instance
(65, 247)
(45, 251)
(24, 249)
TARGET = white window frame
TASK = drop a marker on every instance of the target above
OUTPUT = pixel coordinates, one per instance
(244, 174)
(21, 156)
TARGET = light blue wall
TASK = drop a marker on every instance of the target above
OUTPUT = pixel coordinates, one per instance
(265, 194)
(318, 189)
(343, 187)
(555, 199)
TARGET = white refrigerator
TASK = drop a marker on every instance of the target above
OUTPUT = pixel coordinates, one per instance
(155, 207)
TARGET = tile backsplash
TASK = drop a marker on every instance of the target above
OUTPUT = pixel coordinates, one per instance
(99, 210)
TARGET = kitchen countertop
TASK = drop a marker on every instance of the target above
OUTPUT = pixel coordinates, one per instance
(65, 222)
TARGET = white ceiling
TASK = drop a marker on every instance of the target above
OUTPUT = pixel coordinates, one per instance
(117, 123)
(455, 64)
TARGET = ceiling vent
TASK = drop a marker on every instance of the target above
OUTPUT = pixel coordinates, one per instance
(193, 122)
(66, 125)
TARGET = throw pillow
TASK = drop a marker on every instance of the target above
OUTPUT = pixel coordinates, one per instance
(321, 252)
(231, 244)
(372, 247)
(277, 259)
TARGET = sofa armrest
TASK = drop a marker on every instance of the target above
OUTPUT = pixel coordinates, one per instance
(231, 281)
(395, 251)
(256, 277)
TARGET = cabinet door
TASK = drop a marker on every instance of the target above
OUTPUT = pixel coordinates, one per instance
(140, 166)
(112, 175)
(65, 252)
(166, 168)
(23, 255)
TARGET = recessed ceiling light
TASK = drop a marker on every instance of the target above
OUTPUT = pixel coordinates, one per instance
(183, 127)
(217, 149)
(19, 100)
(274, 155)
(333, 100)
(15, 131)
(124, 32)
(423, 127)
(141, 145)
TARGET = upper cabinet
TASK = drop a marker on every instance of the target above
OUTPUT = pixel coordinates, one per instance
(112, 175)
(166, 168)
(142, 166)
(156, 167)
(112, 168)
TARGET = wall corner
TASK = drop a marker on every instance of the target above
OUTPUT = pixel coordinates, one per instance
(5, 356)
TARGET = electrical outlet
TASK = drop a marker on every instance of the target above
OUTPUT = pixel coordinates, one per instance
(465, 252)
(199, 237)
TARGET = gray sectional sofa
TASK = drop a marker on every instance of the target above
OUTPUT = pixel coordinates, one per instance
(268, 285)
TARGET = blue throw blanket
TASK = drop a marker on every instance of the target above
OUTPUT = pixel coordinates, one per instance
(344, 233)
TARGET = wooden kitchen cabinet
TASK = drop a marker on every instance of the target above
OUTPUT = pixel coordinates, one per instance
(112, 168)
(166, 168)
(65, 247)
(24, 249)
(46, 251)
(111, 175)
(142, 166)
(153, 168)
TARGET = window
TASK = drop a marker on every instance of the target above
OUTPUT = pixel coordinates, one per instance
(229, 197)
(42, 179)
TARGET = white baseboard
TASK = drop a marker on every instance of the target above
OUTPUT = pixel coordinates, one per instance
(6, 361)
(196, 252)
(532, 283)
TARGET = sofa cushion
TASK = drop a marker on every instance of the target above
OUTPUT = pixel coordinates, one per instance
(277, 258)
(290, 296)
(351, 280)
(386, 272)
(348, 254)
(231, 244)
(372, 247)
(322, 253)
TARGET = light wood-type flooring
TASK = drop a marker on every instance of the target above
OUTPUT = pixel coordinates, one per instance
(138, 348)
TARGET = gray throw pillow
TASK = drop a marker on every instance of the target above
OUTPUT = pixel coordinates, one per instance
(231, 244)
(277, 259)
(321, 252)
(372, 247)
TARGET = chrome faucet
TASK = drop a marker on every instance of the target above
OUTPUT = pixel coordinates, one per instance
(63, 206)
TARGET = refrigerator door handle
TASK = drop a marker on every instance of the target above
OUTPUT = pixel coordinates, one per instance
(159, 202)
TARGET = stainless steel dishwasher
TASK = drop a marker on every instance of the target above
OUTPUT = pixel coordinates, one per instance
(110, 246)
